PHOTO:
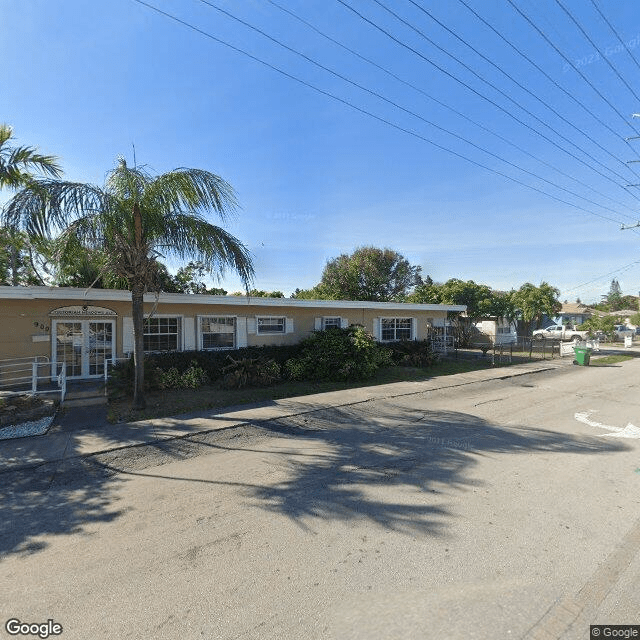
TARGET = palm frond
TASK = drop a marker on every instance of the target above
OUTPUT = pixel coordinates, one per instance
(46, 207)
(191, 190)
(189, 236)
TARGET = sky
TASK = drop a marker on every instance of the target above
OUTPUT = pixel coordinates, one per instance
(482, 139)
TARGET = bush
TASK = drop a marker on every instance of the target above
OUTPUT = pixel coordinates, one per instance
(214, 362)
(413, 353)
(123, 373)
(250, 372)
(338, 354)
(193, 378)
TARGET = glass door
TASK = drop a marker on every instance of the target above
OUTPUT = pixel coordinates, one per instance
(100, 345)
(68, 347)
(82, 346)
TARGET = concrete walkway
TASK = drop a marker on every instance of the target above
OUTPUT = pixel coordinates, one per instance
(84, 431)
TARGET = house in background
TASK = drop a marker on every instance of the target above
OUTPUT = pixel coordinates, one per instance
(573, 314)
(79, 329)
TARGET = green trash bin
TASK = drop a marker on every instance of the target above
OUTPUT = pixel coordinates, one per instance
(583, 355)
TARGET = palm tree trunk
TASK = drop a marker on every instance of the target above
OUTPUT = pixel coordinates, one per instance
(137, 309)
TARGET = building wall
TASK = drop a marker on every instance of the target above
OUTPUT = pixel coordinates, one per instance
(26, 325)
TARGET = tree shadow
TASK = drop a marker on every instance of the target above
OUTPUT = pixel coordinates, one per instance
(379, 462)
(370, 458)
(53, 499)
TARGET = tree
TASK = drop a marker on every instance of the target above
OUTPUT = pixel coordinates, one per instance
(480, 299)
(190, 279)
(133, 219)
(534, 302)
(368, 273)
(17, 168)
(18, 164)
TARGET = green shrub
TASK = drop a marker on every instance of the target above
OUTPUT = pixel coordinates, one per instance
(193, 378)
(413, 353)
(250, 372)
(122, 375)
(338, 354)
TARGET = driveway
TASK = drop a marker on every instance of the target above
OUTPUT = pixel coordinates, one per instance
(482, 511)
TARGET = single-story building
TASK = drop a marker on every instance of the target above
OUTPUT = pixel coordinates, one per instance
(497, 330)
(81, 328)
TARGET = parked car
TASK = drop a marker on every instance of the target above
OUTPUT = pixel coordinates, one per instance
(621, 331)
(638, 331)
(558, 332)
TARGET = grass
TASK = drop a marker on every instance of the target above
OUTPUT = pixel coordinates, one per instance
(162, 403)
(606, 360)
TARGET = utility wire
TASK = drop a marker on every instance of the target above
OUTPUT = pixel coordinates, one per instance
(510, 77)
(616, 34)
(397, 105)
(573, 66)
(444, 105)
(380, 119)
(553, 81)
(480, 95)
(604, 275)
(595, 46)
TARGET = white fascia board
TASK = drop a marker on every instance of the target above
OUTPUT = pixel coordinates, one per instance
(73, 293)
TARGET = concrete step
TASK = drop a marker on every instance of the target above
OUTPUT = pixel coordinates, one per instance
(85, 394)
(84, 401)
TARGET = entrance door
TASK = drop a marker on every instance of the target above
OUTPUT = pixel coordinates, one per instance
(83, 346)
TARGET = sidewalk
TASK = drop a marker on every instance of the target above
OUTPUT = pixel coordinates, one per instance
(84, 431)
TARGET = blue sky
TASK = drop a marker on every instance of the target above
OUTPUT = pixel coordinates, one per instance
(316, 177)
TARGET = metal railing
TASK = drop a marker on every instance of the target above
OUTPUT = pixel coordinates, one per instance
(21, 372)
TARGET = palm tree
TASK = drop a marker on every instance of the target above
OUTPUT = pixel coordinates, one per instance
(17, 164)
(132, 220)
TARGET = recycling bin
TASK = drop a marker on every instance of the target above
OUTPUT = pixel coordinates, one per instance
(583, 355)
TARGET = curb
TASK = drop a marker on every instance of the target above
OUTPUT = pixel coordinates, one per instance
(260, 422)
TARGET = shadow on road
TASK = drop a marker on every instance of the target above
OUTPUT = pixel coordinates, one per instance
(358, 458)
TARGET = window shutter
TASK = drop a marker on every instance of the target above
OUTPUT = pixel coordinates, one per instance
(317, 324)
(127, 335)
(251, 325)
(241, 332)
(289, 325)
(414, 328)
(189, 334)
(376, 329)
(344, 323)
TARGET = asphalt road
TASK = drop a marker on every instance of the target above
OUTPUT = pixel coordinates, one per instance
(487, 511)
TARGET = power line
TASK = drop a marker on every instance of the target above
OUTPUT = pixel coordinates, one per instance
(595, 46)
(616, 34)
(368, 113)
(480, 95)
(550, 43)
(442, 104)
(550, 79)
(396, 105)
(510, 77)
(605, 275)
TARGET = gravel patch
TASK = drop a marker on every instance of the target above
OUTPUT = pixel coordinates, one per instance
(32, 428)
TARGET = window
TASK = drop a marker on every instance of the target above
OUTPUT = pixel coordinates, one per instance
(327, 323)
(503, 330)
(217, 333)
(161, 334)
(271, 325)
(396, 329)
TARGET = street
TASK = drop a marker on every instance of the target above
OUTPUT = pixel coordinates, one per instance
(500, 509)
